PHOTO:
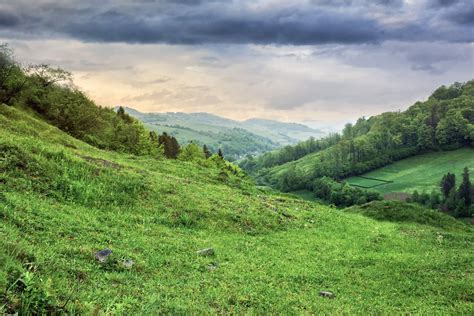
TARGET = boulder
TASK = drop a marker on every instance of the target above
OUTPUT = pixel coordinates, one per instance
(103, 255)
(128, 263)
(213, 266)
(327, 294)
(208, 252)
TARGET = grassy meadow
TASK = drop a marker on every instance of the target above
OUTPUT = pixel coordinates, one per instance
(62, 200)
(422, 172)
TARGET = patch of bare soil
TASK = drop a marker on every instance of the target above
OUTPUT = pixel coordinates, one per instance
(397, 196)
(102, 162)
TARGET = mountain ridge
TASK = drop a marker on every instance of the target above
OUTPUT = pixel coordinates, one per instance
(251, 120)
(236, 138)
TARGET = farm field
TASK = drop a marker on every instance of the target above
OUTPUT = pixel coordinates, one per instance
(421, 173)
(366, 183)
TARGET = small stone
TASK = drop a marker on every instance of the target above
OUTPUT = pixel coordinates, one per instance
(128, 263)
(213, 266)
(206, 252)
(327, 294)
(103, 255)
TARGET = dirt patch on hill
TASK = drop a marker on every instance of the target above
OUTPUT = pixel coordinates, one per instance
(102, 162)
(397, 196)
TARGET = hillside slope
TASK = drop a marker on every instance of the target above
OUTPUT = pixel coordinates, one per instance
(62, 200)
(445, 121)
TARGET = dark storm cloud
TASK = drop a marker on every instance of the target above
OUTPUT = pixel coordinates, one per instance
(196, 28)
(339, 3)
(443, 3)
(8, 19)
(232, 22)
(464, 15)
(459, 12)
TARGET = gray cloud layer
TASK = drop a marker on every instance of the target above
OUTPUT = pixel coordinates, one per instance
(296, 22)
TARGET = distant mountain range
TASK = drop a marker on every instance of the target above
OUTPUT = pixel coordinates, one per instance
(235, 138)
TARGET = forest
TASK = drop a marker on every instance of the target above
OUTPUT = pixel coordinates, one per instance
(444, 122)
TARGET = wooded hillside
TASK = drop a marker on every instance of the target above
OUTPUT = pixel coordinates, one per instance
(443, 122)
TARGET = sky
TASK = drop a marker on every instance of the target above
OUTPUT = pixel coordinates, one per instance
(292, 60)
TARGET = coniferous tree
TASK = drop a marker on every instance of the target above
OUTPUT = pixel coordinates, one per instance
(448, 182)
(465, 189)
(120, 111)
(220, 154)
(170, 145)
(174, 147)
(452, 202)
(153, 137)
(206, 151)
(124, 116)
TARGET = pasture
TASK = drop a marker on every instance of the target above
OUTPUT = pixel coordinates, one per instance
(422, 173)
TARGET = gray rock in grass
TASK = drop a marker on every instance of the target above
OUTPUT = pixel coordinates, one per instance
(213, 266)
(327, 294)
(208, 252)
(128, 263)
(103, 255)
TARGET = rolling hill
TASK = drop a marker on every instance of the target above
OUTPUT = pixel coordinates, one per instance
(63, 200)
(236, 138)
(445, 121)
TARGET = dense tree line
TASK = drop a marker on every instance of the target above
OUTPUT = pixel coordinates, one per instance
(236, 142)
(457, 201)
(50, 93)
(342, 194)
(288, 153)
(170, 145)
(445, 121)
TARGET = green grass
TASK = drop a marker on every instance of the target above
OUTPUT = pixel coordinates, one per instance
(395, 211)
(422, 173)
(63, 200)
(367, 183)
(304, 194)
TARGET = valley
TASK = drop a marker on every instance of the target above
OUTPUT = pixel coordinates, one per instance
(236, 139)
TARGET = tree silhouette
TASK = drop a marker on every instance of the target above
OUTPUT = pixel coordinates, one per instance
(448, 182)
(206, 151)
(170, 145)
(465, 188)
